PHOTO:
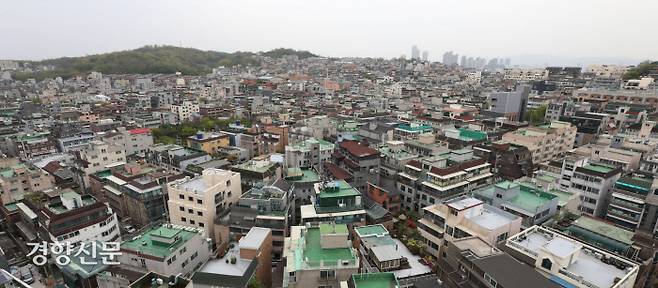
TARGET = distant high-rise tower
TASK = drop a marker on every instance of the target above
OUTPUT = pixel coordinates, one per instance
(463, 61)
(450, 59)
(425, 55)
(415, 52)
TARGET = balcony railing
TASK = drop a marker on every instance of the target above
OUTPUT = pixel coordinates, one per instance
(628, 205)
(625, 216)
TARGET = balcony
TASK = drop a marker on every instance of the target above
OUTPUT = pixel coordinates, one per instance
(624, 216)
(638, 208)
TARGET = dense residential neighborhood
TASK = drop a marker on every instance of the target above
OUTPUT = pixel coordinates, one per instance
(289, 169)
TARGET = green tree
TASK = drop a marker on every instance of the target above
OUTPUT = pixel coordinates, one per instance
(642, 69)
(536, 115)
(254, 283)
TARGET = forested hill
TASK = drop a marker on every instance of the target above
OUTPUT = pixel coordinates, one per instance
(147, 60)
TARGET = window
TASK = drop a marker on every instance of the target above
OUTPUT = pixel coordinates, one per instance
(183, 219)
(181, 208)
(502, 237)
(327, 274)
(190, 198)
(192, 222)
(199, 213)
(546, 264)
(180, 196)
(190, 211)
(182, 251)
(201, 224)
(491, 281)
(199, 201)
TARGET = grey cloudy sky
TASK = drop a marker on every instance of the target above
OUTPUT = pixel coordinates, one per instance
(559, 29)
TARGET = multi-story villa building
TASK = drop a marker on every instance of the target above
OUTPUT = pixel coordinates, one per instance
(463, 217)
(544, 142)
(430, 180)
(195, 202)
(264, 205)
(319, 256)
(569, 261)
(165, 249)
(310, 153)
(334, 201)
(75, 218)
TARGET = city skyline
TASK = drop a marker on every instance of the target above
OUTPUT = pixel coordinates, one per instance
(491, 31)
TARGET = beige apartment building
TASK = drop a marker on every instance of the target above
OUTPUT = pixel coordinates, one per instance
(545, 142)
(194, 202)
(463, 217)
(18, 179)
(97, 156)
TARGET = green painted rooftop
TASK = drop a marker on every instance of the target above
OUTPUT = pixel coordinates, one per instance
(563, 196)
(599, 168)
(340, 189)
(11, 207)
(546, 178)
(471, 135)
(146, 244)
(506, 184)
(302, 175)
(375, 280)
(371, 230)
(9, 172)
(415, 128)
(326, 228)
(605, 229)
(314, 252)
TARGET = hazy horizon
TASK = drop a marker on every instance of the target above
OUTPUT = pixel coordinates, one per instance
(556, 32)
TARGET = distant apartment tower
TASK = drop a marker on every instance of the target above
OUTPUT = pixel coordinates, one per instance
(415, 52)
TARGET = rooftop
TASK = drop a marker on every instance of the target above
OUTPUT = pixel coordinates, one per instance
(256, 165)
(414, 128)
(307, 145)
(375, 280)
(586, 267)
(491, 218)
(371, 230)
(599, 168)
(150, 242)
(463, 203)
(358, 150)
(254, 238)
(223, 267)
(330, 228)
(314, 253)
(338, 188)
(302, 175)
(604, 229)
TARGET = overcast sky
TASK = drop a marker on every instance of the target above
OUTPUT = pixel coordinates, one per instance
(543, 30)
